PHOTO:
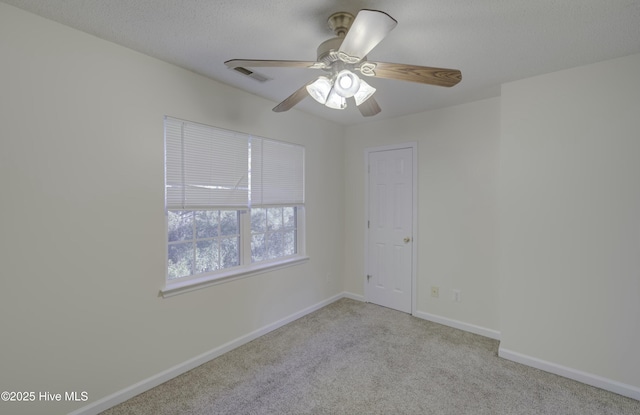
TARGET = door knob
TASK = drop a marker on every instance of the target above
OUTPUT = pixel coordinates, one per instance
(407, 240)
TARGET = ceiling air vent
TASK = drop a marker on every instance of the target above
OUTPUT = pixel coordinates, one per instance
(251, 74)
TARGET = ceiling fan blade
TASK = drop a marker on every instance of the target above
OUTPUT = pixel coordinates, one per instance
(369, 108)
(254, 63)
(292, 100)
(367, 30)
(414, 73)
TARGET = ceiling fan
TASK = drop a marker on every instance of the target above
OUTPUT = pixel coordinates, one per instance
(340, 57)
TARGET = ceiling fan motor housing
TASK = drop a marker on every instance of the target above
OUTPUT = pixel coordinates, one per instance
(340, 23)
(328, 50)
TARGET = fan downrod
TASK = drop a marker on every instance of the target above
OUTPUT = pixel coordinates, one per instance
(340, 23)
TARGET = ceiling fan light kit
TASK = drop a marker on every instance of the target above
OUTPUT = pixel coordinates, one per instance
(346, 84)
(364, 92)
(346, 54)
(320, 88)
(336, 101)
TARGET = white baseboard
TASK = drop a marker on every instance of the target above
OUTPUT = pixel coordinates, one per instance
(472, 328)
(567, 372)
(353, 296)
(109, 401)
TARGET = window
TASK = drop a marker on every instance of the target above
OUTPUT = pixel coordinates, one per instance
(202, 241)
(273, 233)
(234, 203)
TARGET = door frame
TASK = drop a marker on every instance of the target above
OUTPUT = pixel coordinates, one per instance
(414, 208)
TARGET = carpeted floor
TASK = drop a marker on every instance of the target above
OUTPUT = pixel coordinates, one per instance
(357, 358)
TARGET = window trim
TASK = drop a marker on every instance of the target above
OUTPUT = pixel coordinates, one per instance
(197, 282)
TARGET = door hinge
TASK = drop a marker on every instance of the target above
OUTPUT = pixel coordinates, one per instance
(368, 224)
(368, 277)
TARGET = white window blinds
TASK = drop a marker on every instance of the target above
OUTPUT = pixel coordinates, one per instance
(213, 168)
(205, 167)
(277, 173)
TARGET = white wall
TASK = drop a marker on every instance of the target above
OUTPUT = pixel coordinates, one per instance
(82, 237)
(570, 220)
(457, 218)
(81, 126)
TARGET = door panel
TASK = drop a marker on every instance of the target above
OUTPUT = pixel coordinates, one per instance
(390, 239)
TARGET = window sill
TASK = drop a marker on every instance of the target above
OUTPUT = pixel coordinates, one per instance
(180, 286)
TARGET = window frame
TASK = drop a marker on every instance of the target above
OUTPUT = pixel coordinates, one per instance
(246, 268)
(198, 281)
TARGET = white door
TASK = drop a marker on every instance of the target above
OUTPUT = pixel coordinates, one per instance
(390, 228)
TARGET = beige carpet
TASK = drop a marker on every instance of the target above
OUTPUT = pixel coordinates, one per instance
(357, 358)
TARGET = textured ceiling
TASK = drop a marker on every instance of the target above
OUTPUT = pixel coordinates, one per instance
(490, 41)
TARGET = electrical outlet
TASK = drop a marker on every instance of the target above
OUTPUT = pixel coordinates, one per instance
(456, 296)
(435, 291)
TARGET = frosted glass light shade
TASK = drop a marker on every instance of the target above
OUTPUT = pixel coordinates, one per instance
(319, 90)
(335, 101)
(364, 92)
(346, 84)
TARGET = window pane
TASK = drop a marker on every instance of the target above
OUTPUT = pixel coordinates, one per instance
(257, 248)
(289, 243)
(180, 262)
(229, 222)
(258, 220)
(229, 252)
(180, 225)
(274, 245)
(206, 256)
(207, 223)
(289, 217)
(274, 218)
(273, 233)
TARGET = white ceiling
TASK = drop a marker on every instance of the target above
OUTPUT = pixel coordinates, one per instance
(490, 41)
